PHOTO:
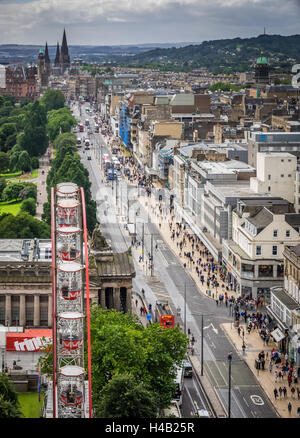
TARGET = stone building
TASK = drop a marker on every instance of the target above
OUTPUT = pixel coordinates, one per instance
(19, 81)
(26, 280)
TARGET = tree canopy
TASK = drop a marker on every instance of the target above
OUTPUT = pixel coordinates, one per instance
(22, 226)
(150, 355)
(53, 100)
(125, 397)
(9, 404)
(59, 121)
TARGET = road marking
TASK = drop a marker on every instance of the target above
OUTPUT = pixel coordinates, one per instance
(245, 401)
(213, 328)
(257, 400)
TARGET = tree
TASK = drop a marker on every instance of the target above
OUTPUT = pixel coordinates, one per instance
(23, 226)
(121, 345)
(9, 404)
(29, 205)
(12, 191)
(8, 409)
(29, 191)
(34, 139)
(125, 397)
(53, 100)
(35, 163)
(7, 131)
(65, 139)
(4, 162)
(2, 185)
(60, 121)
(24, 161)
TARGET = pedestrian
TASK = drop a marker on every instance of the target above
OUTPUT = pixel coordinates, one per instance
(298, 411)
(136, 303)
(280, 391)
(217, 302)
(290, 407)
(275, 393)
(298, 392)
(289, 380)
(141, 310)
(293, 391)
(270, 366)
(239, 331)
(284, 391)
(275, 376)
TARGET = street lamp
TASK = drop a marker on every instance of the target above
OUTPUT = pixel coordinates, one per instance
(202, 338)
(229, 358)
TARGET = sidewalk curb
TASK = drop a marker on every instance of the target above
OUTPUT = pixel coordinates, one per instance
(176, 255)
(256, 379)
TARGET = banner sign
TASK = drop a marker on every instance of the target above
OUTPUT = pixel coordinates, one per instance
(30, 340)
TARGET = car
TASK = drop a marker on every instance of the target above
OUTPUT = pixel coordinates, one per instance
(187, 369)
(89, 158)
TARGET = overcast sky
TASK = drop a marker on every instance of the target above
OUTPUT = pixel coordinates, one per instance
(107, 22)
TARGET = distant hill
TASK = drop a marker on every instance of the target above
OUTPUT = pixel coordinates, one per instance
(238, 54)
(29, 53)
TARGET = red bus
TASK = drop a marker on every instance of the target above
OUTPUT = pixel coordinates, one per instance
(167, 321)
(81, 127)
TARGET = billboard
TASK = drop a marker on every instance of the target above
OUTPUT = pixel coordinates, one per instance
(30, 340)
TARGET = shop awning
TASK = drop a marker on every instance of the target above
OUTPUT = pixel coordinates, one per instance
(277, 335)
(271, 325)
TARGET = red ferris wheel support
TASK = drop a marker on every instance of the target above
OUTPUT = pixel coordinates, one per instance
(72, 395)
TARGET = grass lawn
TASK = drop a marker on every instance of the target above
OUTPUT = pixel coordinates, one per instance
(30, 405)
(34, 173)
(12, 207)
(11, 174)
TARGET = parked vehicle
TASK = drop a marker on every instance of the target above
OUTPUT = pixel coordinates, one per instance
(187, 369)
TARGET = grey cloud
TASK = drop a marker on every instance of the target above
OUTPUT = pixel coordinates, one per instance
(132, 21)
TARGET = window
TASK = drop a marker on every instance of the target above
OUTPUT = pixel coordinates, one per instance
(258, 250)
(282, 176)
(289, 175)
(282, 161)
(269, 176)
(274, 250)
(275, 233)
(269, 189)
(287, 233)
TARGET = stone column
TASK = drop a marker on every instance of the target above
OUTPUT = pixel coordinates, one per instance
(8, 309)
(274, 271)
(129, 300)
(22, 310)
(36, 311)
(102, 298)
(117, 302)
(50, 310)
(256, 271)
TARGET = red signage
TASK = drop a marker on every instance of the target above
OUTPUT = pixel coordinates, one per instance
(30, 340)
(167, 321)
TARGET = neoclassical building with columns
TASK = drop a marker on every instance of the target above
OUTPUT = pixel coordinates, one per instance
(25, 280)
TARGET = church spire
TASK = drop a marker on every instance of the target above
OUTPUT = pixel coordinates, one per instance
(64, 54)
(57, 56)
(47, 59)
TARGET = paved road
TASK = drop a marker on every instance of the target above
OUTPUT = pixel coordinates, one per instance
(173, 280)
